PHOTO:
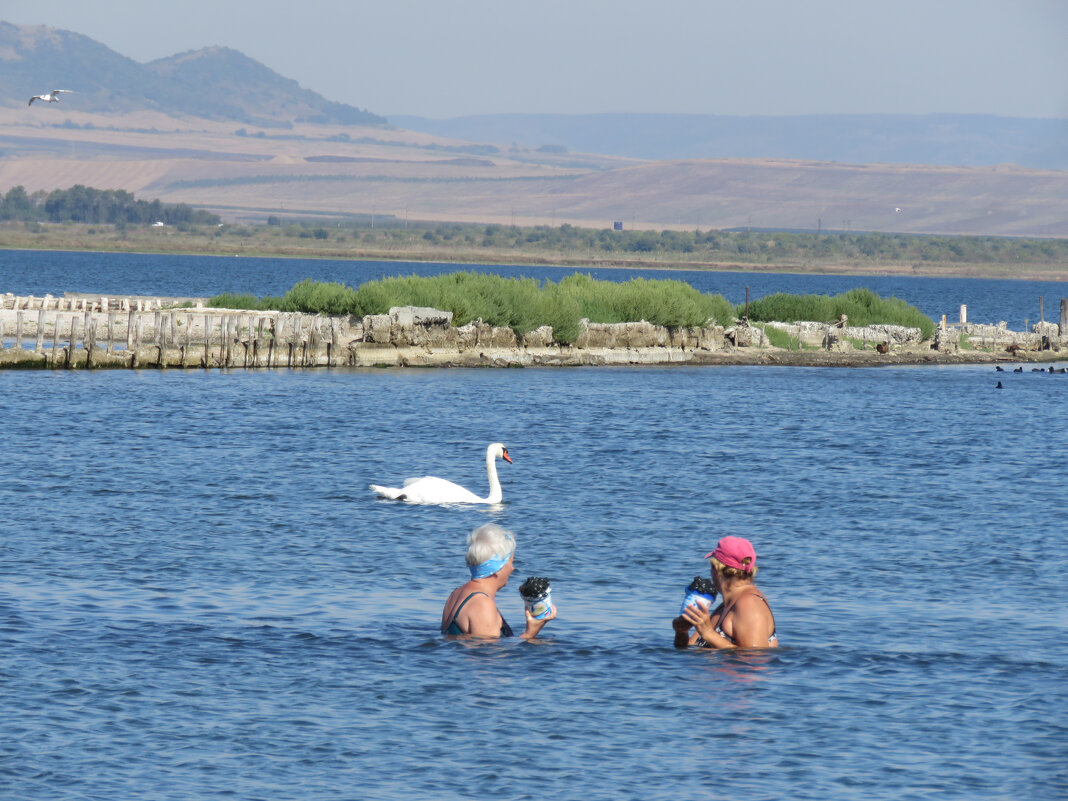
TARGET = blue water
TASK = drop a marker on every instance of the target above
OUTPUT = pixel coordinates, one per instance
(201, 599)
(27, 272)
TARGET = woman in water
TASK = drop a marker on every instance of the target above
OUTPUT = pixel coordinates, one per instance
(471, 609)
(744, 619)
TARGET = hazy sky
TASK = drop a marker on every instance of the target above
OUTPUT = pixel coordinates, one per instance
(445, 58)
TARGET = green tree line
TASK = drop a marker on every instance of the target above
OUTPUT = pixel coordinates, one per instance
(736, 246)
(83, 204)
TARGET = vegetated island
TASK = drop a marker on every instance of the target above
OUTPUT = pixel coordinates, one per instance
(475, 319)
(83, 218)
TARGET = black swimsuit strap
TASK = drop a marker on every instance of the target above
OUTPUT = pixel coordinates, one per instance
(456, 614)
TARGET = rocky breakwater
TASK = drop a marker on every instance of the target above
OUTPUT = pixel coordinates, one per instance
(132, 332)
(422, 337)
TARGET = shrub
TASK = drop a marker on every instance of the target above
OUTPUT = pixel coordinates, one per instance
(862, 307)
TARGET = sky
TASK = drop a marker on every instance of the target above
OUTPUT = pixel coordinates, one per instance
(450, 58)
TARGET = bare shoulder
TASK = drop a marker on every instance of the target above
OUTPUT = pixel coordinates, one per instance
(752, 604)
(480, 604)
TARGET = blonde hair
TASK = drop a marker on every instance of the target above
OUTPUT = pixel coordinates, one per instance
(733, 573)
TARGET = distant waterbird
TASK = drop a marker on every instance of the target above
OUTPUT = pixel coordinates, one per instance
(51, 97)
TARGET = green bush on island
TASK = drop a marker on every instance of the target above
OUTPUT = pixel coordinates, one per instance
(861, 306)
(522, 304)
(782, 339)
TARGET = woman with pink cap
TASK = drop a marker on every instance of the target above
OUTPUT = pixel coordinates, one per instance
(744, 619)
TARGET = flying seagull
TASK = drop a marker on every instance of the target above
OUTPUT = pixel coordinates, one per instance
(51, 97)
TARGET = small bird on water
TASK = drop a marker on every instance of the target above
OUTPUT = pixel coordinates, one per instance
(999, 386)
(51, 97)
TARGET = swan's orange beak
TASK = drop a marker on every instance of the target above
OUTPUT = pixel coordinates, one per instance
(506, 457)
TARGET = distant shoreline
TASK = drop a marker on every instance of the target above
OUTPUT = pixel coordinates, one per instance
(187, 246)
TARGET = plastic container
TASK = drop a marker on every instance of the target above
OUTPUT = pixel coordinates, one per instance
(537, 596)
(701, 592)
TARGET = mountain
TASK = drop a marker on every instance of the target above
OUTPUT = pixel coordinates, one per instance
(215, 82)
(966, 140)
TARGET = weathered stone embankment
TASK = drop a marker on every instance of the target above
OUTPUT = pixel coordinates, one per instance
(79, 332)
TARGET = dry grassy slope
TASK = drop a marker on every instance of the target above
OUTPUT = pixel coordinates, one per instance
(150, 154)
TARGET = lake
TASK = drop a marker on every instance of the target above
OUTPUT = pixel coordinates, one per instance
(200, 598)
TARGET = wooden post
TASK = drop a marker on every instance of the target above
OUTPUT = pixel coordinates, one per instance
(111, 332)
(39, 344)
(272, 346)
(1041, 311)
(315, 339)
(963, 314)
(55, 336)
(298, 338)
(1064, 317)
(174, 326)
(130, 328)
(331, 349)
(1, 325)
(289, 341)
(90, 342)
(157, 327)
(161, 340)
(18, 330)
(228, 336)
(73, 340)
(259, 339)
(188, 335)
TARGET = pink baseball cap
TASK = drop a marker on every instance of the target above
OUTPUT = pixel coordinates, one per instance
(736, 552)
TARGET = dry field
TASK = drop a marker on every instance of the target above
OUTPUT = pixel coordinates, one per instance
(326, 170)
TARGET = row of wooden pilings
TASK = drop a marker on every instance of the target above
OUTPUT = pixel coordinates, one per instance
(170, 338)
(82, 303)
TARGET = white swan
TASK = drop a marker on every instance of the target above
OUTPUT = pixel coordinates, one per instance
(430, 489)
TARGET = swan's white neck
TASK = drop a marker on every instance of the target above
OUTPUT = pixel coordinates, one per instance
(495, 494)
(495, 483)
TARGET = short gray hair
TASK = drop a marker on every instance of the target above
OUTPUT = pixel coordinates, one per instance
(487, 542)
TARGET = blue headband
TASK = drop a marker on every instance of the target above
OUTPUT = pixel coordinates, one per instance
(491, 565)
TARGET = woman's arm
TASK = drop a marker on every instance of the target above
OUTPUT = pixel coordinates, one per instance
(701, 620)
(482, 617)
(534, 625)
(750, 622)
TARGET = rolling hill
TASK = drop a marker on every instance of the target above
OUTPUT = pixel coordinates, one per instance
(963, 140)
(212, 83)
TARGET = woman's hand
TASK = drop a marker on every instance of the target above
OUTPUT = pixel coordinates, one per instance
(534, 625)
(681, 625)
(682, 632)
(700, 618)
